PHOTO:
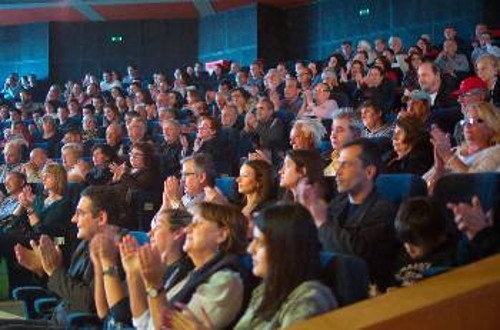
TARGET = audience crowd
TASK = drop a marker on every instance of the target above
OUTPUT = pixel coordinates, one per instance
(304, 142)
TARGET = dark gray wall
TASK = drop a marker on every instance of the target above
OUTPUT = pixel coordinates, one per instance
(315, 31)
(229, 35)
(77, 48)
(24, 49)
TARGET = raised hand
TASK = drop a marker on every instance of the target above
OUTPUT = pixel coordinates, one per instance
(171, 191)
(441, 142)
(182, 318)
(150, 261)
(51, 255)
(129, 254)
(26, 197)
(29, 259)
(470, 218)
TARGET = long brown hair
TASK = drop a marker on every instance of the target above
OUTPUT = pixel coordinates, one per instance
(292, 248)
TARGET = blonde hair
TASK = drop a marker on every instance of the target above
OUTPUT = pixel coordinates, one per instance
(60, 177)
(491, 116)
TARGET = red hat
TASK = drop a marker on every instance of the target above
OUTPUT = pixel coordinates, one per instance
(469, 84)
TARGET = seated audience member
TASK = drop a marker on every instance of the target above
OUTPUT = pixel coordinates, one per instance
(393, 75)
(102, 157)
(321, 105)
(14, 184)
(307, 134)
(410, 78)
(472, 90)
(241, 99)
(114, 137)
(301, 167)
(136, 131)
(255, 183)
(422, 229)
(142, 173)
(49, 134)
(19, 133)
(95, 211)
(376, 88)
(229, 118)
(33, 168)
(198, 179)
(290, 289)
(111, 115)
(13, 154)
(479, 153)
(373, 120)
(209, 141)
(432, 82)
(418, 106)
(452, 63)
(488, 68)
(170, 149)
(292, 102)
(359, 220)
(412, 151)
(338, 91)
(64, 121)
(346, 127)
(269, 128)
(48, 214)
(71, 154)
(167, 238)
(485, 47)
(479, 227)
(90, 129)
(217, 287)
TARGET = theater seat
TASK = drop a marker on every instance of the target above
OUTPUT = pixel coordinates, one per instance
(143, 206)
(398, 187)
(460, 188)
(346, 275)
(229, 187)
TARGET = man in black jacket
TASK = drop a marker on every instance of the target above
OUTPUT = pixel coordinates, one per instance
(359, 220)
(74, 285)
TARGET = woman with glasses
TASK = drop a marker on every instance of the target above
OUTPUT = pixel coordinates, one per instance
(479, 153)
(319, 104)
(285, 254)
(216, 288)
(141, 175)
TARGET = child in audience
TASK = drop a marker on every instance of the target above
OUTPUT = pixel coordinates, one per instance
(422, 229)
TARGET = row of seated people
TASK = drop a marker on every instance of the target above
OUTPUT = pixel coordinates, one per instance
(199, 248)
(234, 123)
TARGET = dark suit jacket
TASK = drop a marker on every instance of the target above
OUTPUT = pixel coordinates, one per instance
(366, 231)
(74, 286)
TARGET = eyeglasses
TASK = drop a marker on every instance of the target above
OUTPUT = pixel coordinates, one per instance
(468, 94)
(186, 174)
(471, 121)
(136, 155)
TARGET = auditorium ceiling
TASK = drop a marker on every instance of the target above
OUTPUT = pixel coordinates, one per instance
(31, 11)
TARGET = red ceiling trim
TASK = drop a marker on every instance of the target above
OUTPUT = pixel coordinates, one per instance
(147, 11)
(34, 15)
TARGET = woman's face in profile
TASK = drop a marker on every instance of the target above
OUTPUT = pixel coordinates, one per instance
(257, 249)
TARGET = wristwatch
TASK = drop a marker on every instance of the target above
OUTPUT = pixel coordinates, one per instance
(153, 292)
(111, 271)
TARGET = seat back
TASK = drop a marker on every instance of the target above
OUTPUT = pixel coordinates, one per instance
(229, 187)
(460, 188)
(398, 187)
(143, 207)
(346, 275)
